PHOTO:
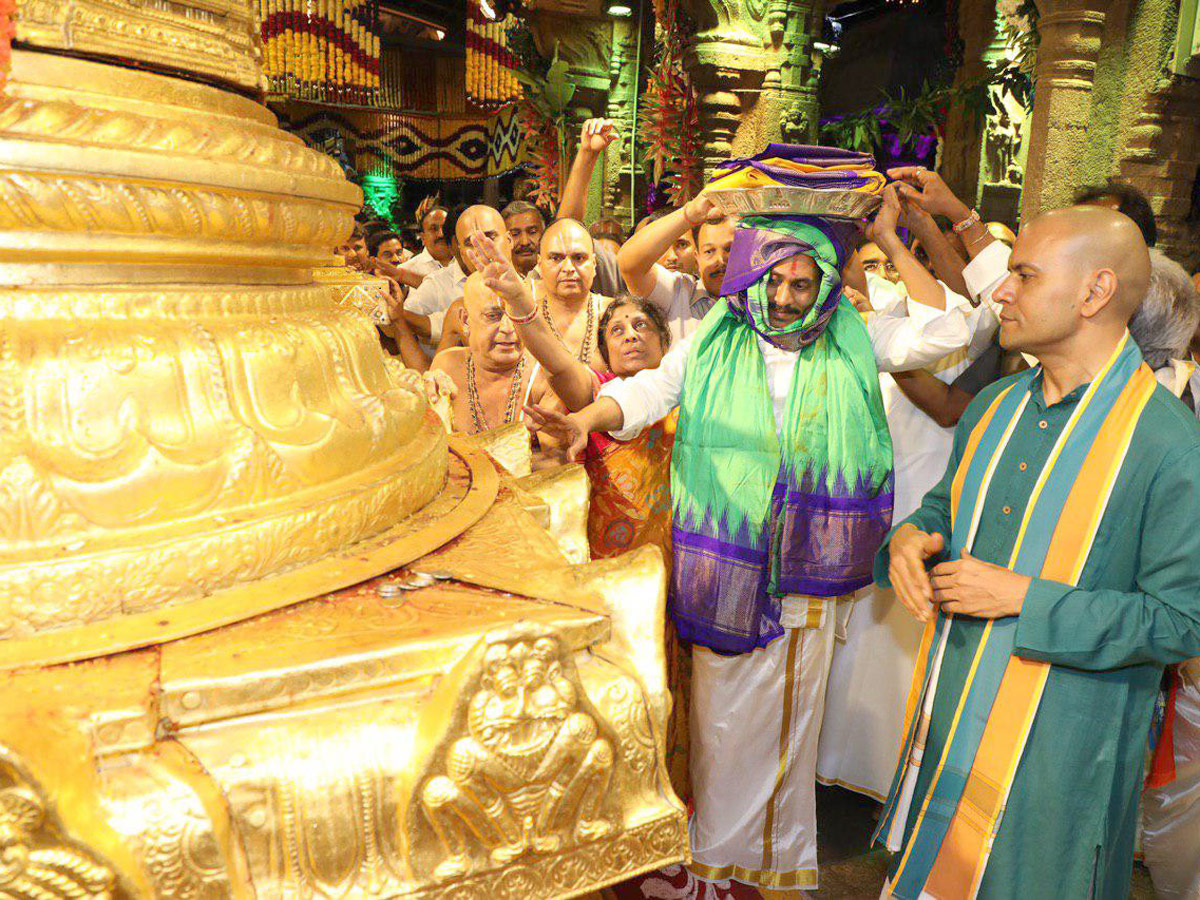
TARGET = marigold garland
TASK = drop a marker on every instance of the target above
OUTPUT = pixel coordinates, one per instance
(323, 50)
(491, 79)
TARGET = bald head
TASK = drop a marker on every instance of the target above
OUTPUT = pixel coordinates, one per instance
(491, 338)
(1093, 241)
(477, 217)
(485, 219)
(567, 261)
(568, 229)
(1077, 276)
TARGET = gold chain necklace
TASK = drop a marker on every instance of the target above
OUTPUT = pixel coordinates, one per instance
(585, 349)
(478, 416)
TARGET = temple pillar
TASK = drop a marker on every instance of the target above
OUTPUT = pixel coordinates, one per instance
(983, 157)
(790, 84)
(623, 85)
(755, 72)
(1071, 32)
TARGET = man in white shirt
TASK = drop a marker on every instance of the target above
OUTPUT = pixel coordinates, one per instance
(525, 225)
(436, 251)
(683, 298)
(426, 306)
(874, 659)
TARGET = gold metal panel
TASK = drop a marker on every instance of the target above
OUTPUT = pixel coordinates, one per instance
(567, 491)
(470, 491)
(212, 38)
(198, 444)
(509, 446)
(314, 790)
(169, 812)
(184, 411)
(371, 636)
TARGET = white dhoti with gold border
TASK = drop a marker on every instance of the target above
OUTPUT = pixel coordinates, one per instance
(755, 722)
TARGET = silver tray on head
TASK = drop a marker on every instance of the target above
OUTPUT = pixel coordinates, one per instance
(795, 201)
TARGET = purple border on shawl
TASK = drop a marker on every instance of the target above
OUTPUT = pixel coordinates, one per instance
(836, 180)
(719, 593)
(830, 542)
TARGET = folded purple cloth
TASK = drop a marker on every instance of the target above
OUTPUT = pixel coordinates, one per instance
(821, 181)
(807, 154)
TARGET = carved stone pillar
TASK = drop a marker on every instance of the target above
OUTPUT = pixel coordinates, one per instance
(623, 86)
(728, 62)
(1071, 36)
(962, 142)
(756, 72)
(790, 85)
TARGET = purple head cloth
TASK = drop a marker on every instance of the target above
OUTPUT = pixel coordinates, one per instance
(756, 250)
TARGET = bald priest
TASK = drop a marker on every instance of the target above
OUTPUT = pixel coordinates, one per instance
(1057, 566)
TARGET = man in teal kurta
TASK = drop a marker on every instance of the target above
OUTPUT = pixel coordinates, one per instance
(1067, 817)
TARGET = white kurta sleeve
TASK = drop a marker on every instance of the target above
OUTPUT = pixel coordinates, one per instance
(650, 394)
(902, 343)
(982, 322)
(425, 299)
(984, 273)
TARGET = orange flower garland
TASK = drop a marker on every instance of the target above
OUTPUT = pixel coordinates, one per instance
(491, 82)
(325, 50)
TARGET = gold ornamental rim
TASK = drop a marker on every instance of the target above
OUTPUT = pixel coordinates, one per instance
(143, 127)
(118, 86)
(391, 549)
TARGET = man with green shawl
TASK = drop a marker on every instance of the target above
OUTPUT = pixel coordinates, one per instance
(781, 483)
(1065, 575)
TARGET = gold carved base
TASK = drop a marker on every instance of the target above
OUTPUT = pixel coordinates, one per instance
(419, 734)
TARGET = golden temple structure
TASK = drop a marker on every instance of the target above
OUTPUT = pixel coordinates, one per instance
(267, 630)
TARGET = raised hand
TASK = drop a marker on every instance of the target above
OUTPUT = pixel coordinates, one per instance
(861, 303)
(909, 549)
(884, 225)
(597, 134)
(927, 190)
(696, 210)
(498, 272)
(395, 302)
(564, 429)
(915, 217)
